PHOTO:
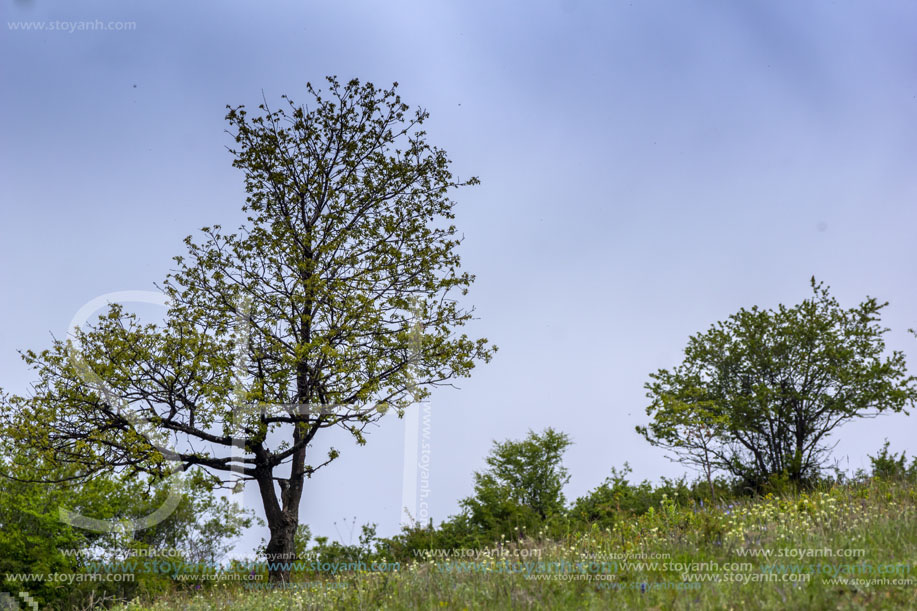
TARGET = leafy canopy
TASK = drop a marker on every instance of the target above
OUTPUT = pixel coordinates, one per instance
(331, 306)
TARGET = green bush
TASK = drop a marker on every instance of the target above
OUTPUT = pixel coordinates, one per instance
(522, 488)
(34, 538)
(889, 465)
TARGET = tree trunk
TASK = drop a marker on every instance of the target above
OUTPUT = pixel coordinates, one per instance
(708, 471)
(282, 520)
(280, 553)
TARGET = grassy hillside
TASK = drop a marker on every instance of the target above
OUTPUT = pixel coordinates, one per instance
(842, 547)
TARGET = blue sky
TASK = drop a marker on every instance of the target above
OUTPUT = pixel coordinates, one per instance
(647, 169)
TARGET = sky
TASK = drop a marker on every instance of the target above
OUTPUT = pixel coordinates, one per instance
(647, 168)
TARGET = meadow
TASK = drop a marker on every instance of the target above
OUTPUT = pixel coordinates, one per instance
(849, 545)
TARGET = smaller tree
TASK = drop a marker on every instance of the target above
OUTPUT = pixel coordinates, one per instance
(523, 485)
(760, 394)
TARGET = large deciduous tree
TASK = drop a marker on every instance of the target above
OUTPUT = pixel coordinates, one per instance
(334, 304)
(760, 394)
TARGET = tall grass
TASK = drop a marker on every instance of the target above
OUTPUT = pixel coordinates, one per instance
(848, 546)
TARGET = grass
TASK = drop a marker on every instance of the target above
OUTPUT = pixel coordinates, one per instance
(843, 547)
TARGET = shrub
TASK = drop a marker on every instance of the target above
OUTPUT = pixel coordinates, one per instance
(888, 465)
